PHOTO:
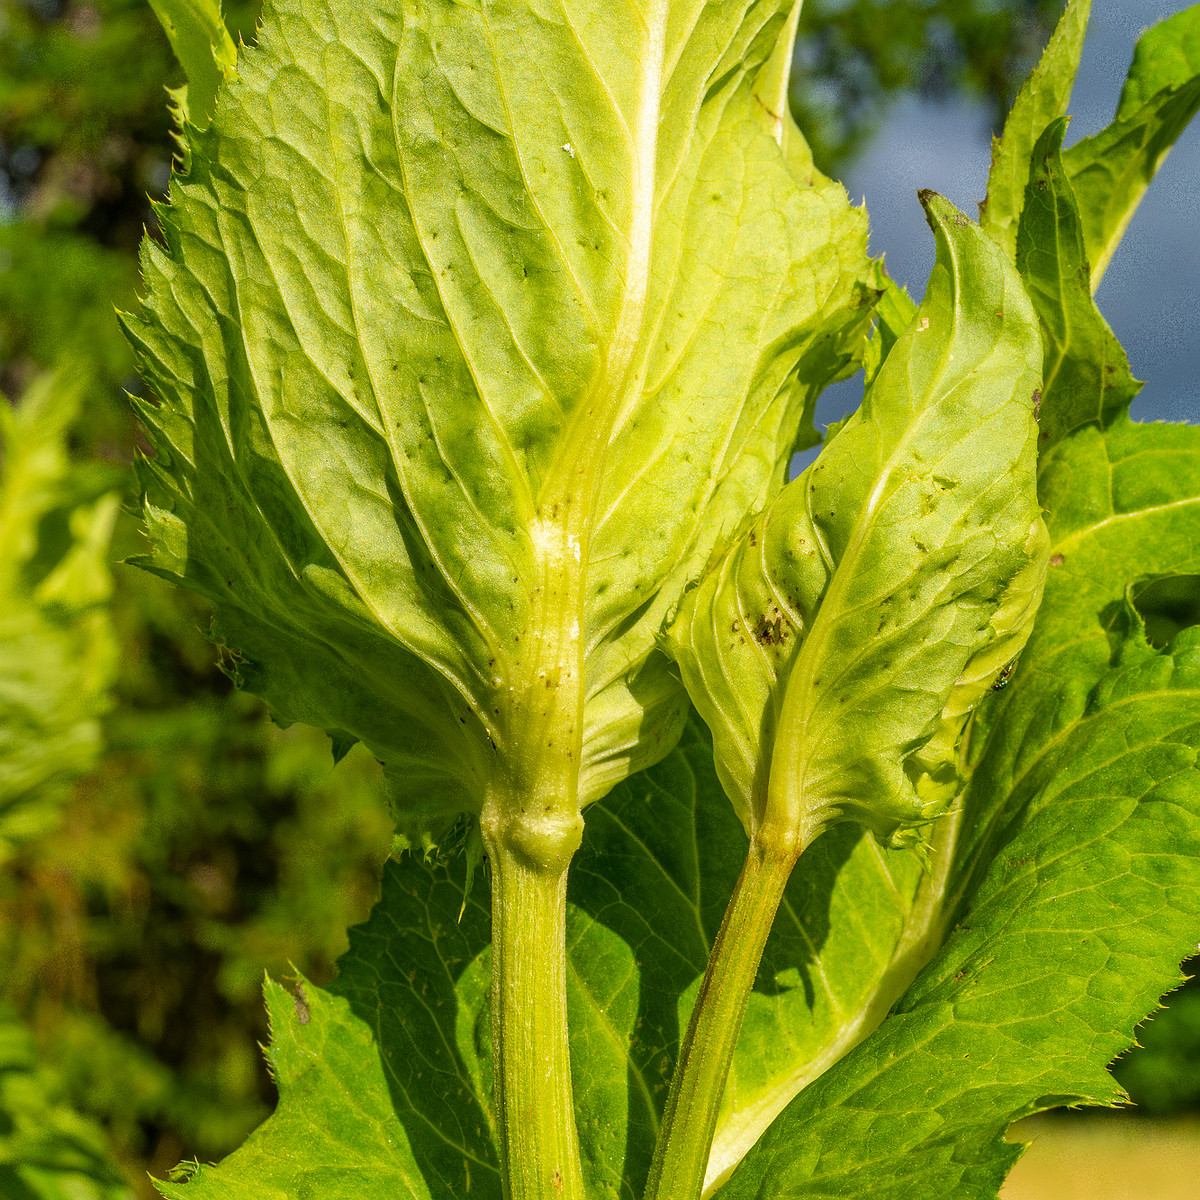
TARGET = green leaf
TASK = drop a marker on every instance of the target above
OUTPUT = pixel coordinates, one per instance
(47, 1150)
(1111, 170)
(384, 1075)
(1090, 900)
(375, 1095)
(904, 565)
(57, 648)
(1043, 98)
(656, 868)
(465, 369)
(1086, 375)
(1076, 866)
(201, 42)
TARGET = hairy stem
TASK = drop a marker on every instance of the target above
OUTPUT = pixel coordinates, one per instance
(539, 1146)
(690, 1120)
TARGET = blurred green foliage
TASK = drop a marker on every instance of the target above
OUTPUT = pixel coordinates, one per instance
(57, 651)
(57, 662)
(198, 845)
(47, 1151)
(855, 56)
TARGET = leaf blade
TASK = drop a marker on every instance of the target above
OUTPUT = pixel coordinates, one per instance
(1043, 99)
(1111, 170)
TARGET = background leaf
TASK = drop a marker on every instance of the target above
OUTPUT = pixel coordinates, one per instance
(1043, 98)
(57, 648)
(1111, 170)
(47, 1151)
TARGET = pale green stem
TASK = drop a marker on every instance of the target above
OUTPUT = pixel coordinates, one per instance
(539, 1146)
(690, 1120)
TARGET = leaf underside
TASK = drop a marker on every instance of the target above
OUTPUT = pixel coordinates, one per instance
(463, 306)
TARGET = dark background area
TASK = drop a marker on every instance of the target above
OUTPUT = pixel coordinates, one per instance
(205, 846)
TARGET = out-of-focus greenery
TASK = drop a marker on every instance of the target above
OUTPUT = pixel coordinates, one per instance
(47, 1151)
(204, 846)
(85, 145)
(57, 661)
(57, 651)
(856, 55)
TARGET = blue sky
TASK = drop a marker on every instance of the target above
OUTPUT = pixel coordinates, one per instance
(1151, 292)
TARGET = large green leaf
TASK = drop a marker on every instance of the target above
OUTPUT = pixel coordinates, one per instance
(1091, 897)
(1043, 98)
(1112, 169)
(903, 566)
(477, 325)
(375, 1095)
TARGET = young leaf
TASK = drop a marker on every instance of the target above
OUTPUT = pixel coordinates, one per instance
(1086, 375)
(1111, 170)
(465, 368)
(1043, 98)
(824, 647)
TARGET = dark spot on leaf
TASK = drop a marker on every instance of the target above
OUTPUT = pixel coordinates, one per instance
(301, 1002)
(1056, 560)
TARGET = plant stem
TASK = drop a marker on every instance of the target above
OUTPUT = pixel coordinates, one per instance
(690, 1120)
(539, 1146)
